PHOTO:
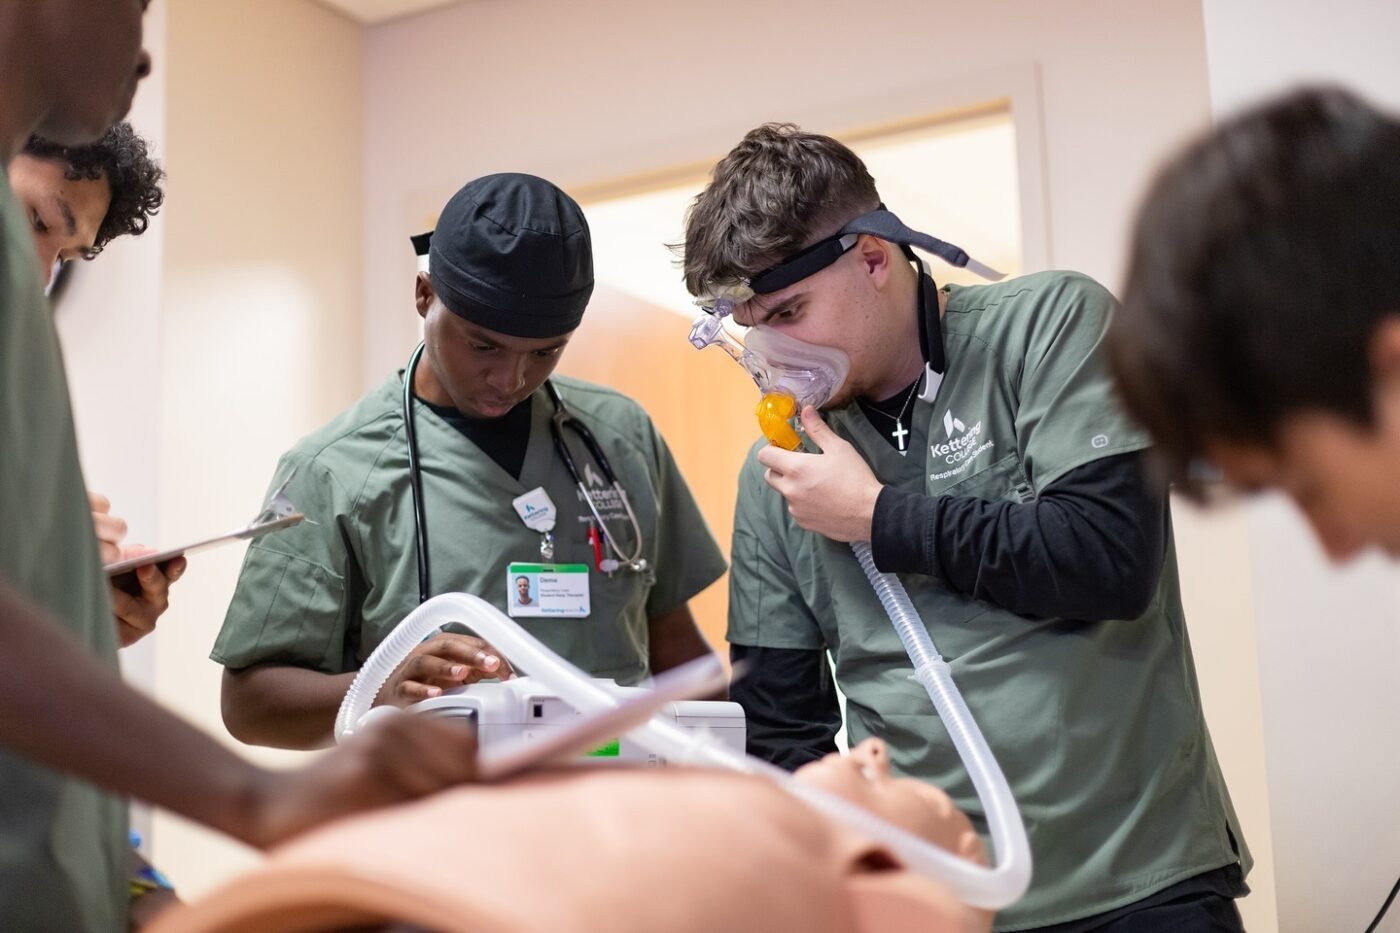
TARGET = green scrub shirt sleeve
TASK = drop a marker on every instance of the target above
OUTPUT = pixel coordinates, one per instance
(290, 602)
(767, 606)
(1069, 414)
(687, 557)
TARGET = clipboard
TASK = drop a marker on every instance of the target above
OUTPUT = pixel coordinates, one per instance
(279, 513)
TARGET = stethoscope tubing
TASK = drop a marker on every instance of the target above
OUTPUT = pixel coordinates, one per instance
(561, 419)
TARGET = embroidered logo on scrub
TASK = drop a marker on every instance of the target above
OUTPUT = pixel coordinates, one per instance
(962, 448)
(605, 499)
(591, 476)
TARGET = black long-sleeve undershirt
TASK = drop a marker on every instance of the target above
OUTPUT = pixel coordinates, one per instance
(1090, 547)
(790, 706)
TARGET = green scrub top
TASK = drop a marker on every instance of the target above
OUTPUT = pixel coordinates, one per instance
(324, 593)
(1097, 726)
(64, 855)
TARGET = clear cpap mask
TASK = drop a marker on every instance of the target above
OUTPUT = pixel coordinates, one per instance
(789, 372)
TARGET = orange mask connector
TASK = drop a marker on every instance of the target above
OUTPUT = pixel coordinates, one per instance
(775, 412)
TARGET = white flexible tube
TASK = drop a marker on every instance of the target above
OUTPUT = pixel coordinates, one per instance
(1012, 875)
(991, 889)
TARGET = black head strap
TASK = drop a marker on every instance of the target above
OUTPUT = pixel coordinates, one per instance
(881, 223)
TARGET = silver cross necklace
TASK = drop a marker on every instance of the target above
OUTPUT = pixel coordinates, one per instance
(900, 432)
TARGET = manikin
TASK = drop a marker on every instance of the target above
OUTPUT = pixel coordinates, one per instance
(605, 848)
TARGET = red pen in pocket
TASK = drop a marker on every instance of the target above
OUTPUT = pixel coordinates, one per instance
(596, 540)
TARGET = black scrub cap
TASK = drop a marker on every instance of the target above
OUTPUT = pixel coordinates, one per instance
(881, 223)
(511, 253)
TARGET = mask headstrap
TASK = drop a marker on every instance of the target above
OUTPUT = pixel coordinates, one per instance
(885, 225)
(881, 223)
(930, 333)
(810, 261)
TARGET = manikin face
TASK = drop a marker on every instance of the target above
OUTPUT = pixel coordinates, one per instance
(64, 214)
(485, 373)
(863, 777)
(852, 306)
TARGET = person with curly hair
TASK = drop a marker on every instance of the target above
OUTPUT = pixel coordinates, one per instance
(79, 198)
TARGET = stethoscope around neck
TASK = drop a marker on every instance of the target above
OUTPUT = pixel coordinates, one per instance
(559, 421)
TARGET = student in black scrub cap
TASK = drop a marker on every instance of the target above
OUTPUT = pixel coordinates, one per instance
(511, 272)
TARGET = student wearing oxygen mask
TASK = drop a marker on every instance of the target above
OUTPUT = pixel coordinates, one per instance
(971, 435)
(472, 470)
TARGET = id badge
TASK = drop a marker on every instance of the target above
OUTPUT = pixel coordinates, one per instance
(558, 591)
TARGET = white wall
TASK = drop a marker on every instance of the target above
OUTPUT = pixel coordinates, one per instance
(585, 92)
(1327, 637)
(109, 324)
(260, 338)
(588, 92)
(200, 351)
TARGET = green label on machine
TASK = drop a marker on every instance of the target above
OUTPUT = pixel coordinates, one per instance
(611, 750)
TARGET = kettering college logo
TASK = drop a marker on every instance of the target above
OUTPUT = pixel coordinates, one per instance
(605, 499)
(962, 446)
(591, 476)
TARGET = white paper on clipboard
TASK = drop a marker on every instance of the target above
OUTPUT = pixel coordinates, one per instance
(279, 513)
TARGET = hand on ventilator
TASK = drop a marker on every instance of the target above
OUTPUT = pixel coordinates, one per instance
(832, 493)
(442, 662)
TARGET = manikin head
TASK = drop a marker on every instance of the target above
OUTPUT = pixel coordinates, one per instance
(863, 777)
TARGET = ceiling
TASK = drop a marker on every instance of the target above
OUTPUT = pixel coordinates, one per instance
(377, 11)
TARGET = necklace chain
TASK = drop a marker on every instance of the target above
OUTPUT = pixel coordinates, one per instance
(897, 419)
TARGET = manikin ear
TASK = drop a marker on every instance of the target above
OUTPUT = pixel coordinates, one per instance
(903, 902)
(875, 258)
(423, 294)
